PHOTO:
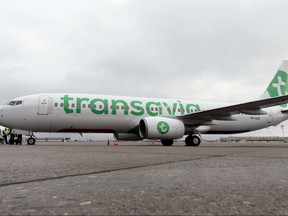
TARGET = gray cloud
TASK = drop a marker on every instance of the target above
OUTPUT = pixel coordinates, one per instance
(184, 49)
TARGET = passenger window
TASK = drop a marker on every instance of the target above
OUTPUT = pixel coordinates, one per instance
(61, 105)
(73, 105)
(122, 107)
(84, 106)
(100, 106)
(56, 104)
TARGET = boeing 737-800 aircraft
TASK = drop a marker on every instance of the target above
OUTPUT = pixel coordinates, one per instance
(132, 118)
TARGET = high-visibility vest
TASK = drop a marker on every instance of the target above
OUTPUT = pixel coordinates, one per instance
(5, 133)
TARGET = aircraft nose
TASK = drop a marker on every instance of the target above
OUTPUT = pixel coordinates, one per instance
(1, 112)
(4, 116)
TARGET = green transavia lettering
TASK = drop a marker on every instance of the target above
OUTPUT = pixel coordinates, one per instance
(103, 106)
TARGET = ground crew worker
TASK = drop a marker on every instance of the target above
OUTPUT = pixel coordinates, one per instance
(19, 139)
(5, 135)
(1, 138)
(12, 139)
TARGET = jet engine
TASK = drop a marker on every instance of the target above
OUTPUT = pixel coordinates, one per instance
(161, 128)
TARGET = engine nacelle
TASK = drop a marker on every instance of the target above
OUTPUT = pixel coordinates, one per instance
(127, 137)
(161, 128)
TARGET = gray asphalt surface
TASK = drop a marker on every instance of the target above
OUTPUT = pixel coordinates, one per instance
(77, 178)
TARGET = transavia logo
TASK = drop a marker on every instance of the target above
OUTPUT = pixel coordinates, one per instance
(278, 85)
(163, 127)
(106, 106)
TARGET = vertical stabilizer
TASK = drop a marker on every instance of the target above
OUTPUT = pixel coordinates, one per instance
(279, 84)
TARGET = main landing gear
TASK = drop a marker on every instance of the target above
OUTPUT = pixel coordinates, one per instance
(193, 140)
(167, 142)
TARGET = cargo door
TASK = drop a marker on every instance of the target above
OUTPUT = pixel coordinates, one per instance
(43, 105)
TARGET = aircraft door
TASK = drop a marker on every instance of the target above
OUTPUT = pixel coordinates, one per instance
(43, 105)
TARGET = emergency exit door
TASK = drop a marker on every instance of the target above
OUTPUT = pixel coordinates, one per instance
(43, 105)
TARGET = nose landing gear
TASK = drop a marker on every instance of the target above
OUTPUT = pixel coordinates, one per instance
(31, 140)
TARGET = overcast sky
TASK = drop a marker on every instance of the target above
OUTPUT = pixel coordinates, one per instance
(186, 49)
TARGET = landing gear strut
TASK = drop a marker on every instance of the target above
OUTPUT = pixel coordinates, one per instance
(193, 140)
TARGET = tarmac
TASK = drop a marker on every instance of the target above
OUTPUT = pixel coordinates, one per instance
(141, 178)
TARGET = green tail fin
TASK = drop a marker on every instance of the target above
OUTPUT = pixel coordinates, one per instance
(279, 84)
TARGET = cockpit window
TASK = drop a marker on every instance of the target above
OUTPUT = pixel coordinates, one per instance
(14, 103)
(11, 103)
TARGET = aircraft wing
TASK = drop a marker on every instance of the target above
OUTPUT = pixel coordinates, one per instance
(224, 113)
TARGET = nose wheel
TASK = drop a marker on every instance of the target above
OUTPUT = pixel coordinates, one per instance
(31, 141)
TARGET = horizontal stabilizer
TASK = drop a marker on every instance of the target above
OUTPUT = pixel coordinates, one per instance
(225, 118)
(254, 112)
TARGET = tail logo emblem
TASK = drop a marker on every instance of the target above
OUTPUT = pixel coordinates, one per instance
(278, 86)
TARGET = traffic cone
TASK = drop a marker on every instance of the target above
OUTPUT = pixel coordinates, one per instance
(116, 142)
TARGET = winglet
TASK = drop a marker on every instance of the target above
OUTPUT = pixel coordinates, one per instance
(279, 84)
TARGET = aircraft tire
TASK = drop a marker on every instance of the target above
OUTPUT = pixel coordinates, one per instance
(167, 142)
(192, 140)
(31, 141)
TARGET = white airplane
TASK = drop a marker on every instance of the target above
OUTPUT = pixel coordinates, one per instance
(133, 118)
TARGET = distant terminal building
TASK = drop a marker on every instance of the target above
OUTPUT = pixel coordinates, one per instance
(254, 139)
